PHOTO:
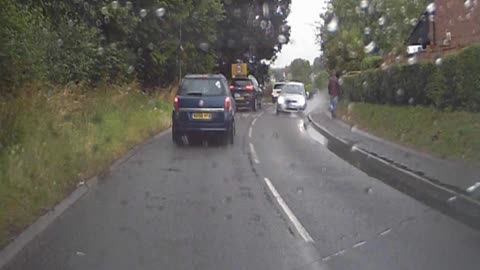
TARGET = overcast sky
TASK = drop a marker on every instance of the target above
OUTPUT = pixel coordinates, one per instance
(303, 16)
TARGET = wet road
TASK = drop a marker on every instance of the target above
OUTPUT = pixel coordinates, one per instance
(214, 207)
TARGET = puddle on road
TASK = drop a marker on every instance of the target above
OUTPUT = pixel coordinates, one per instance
(317, 136)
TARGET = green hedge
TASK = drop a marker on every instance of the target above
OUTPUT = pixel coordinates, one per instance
(454, 84)
(370, 62)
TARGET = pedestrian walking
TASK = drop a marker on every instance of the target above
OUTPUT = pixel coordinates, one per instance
(334, 91)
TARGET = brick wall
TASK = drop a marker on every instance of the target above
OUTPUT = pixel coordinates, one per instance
(463, 24)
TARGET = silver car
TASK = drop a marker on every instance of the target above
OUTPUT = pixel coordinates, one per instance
(293, 98)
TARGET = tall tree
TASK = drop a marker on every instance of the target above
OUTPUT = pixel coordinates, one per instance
(300, 70)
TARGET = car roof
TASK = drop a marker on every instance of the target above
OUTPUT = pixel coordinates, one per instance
(296, 83)
(204, 76)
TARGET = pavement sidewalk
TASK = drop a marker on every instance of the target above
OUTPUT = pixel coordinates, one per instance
(455, 175)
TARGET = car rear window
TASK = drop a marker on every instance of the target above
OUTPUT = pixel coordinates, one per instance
(202, 87)
(293, 89)
(241, 83)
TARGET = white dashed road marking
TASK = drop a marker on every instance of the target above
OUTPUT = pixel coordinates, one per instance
(298, 226)
(250, 132)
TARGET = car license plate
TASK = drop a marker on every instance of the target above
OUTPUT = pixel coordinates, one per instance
(202, 116)
(238, 96)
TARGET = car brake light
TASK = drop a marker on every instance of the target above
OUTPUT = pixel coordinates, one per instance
(175, 103)
(228, 104)
(232, 87)
(249, 87)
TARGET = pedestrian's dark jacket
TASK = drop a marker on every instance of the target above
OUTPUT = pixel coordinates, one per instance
(334, 87)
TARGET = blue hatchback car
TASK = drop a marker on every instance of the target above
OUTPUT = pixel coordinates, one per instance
(203, 106)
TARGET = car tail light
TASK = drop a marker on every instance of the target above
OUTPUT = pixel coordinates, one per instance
(175, 103)
(249, 87)
(228, 104)
(232, 87)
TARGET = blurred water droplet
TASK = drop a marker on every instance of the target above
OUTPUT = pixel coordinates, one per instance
(438, 61)
(114, 5)
(106, 20)
(431, 8)
(369, 190)
(151, 46)
(204, 46)
(365, 85)
(100, 50)
(59, 42)
(282, 39)
(263, 24)
(70, 23)
(237, 12)
(266, 10)
(130, 69)
(411, 101)
(86, 6)
(367, 30)
(384, 66)
(354, 148)
(332, 26)
(160, 12)
(364, 4)
(468, 4)
(400, 92)
(340, 81)
(350, 107)
(299, 190)
(412, 60)
(381, 21)
(143, 13)
(129, 5)
(104, 10)
(452, 199)
(413, 21)
(370, 47)
(473, 187)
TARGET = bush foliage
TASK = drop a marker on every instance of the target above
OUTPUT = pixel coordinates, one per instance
(453, 84)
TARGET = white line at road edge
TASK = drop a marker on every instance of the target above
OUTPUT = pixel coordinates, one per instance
(300, 229)
(250, 132)
(254, 154)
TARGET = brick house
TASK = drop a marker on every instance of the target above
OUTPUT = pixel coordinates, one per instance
(450, 26)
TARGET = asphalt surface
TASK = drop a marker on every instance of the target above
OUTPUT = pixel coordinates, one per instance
(208, 206)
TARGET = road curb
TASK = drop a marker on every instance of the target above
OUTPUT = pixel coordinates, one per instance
(440, 197)
(21, 241)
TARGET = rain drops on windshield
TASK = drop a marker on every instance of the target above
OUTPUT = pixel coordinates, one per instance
(332, 26)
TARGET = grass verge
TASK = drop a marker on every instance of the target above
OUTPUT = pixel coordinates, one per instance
(50, 142)
(452, 135)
